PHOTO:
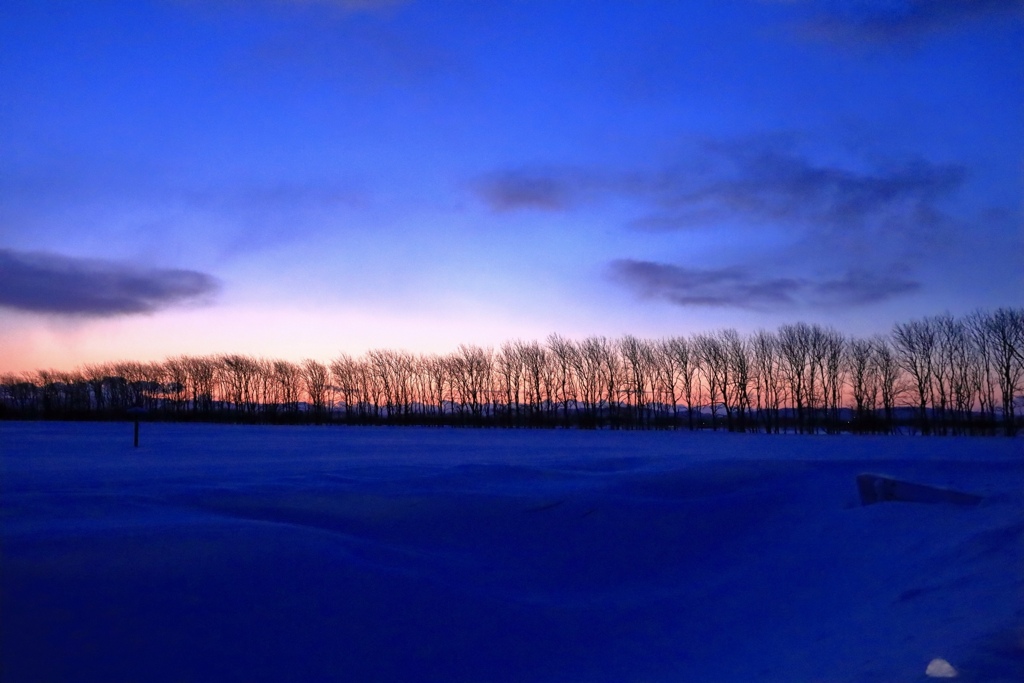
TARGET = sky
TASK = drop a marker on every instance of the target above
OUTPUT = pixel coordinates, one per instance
(302, 178)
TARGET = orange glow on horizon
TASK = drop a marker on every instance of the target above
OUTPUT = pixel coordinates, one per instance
(31, 344)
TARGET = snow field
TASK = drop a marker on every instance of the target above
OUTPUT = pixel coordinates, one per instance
(229, 553)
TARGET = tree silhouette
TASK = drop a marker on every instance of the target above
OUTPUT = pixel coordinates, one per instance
(959, 375)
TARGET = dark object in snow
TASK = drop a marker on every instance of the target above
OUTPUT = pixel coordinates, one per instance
(136, 412)
(875, 488)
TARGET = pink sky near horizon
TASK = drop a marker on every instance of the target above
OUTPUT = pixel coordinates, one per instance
(295, 333)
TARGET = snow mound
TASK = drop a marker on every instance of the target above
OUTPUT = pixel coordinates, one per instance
(940, 668)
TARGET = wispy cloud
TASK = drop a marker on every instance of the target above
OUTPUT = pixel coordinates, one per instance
(362, 46)
(763, 182)
(51, 283)
(351, 5)
(365, 47)
(742, 287)
(343, 5)
(730, 287)
(854, 219)
(515, 189)
(234, 215)
(861, 287)
(900, 20)
(364, 58)
(758, 181)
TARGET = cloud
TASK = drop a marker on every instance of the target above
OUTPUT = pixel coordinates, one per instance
(859, 288)
(760, 182)
(561, 188)
(760, 179)
(730, 287)
(362, 47)
(768, 183)
(510, 190)
(854, 218)
(51, 283)
(739, 287)
(233, 216)
(343, 5)
(899, 20)
(350, 5)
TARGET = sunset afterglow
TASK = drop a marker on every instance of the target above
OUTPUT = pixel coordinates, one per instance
(300, 179)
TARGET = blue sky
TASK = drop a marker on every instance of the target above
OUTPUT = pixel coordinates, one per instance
(299, 178)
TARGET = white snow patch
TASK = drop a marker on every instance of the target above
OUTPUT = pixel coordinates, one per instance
(940, 668)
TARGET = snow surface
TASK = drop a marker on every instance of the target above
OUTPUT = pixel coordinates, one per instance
(231, 553)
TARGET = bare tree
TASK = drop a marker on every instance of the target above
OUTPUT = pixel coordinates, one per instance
(564, 356)
(667, 378)
(613, 372)
(508, 366)
(952, 370)
(437, 371)
(685, 360)
(25, 393)
(535, 362)
(915, 345)
(587, 370)
(204, 376)
(964, 374)
(240, 376)
(737, 379)
(863, 381)
(471, 374)
(885, 361)
(315, 379)
(814, 382)
(795, 343)
(943, 369)
(834, 348)
(639, 361)
(768, 386)
(176, 371)
(404, 370)
(983, 375)
(1004, 327)
(713, 367)
(598, 371)
(287, 377)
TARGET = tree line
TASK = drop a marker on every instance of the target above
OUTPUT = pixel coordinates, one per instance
(937, 375)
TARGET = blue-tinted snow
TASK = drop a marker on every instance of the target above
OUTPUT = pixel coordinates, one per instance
(228, 553)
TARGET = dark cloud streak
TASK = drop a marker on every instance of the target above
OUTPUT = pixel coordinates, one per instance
(50, 283)
(861, 287)
(759, 183)
(739, 287)
(342, 5)
(903, 20)
(854, 219)
(511, 190)
(776, 185)
(350, 5)
(236, 215)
